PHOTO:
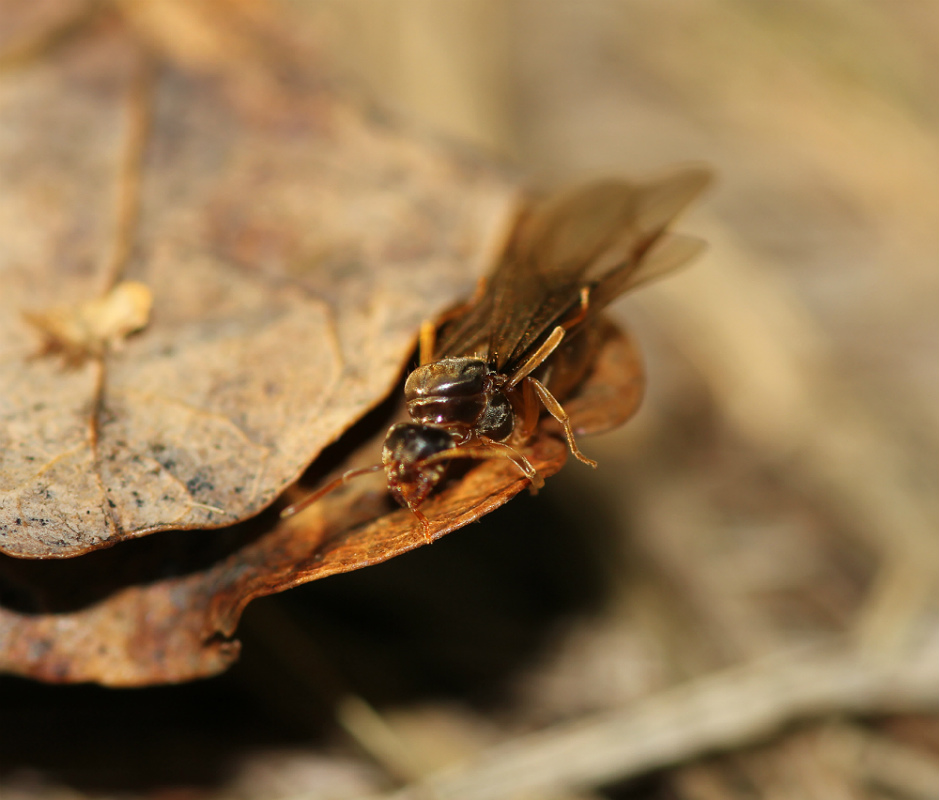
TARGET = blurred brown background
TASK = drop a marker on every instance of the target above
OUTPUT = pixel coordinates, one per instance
(777, 492)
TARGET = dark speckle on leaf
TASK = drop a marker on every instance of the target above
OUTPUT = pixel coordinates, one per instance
(197, 483)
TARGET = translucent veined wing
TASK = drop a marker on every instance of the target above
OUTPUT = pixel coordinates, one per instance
(607, 236)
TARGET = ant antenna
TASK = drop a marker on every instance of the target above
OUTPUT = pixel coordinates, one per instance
(307, 501)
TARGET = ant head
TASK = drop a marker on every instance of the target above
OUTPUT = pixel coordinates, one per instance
(409, 464)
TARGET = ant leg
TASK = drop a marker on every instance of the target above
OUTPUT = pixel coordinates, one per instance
(307, 501)
(556, 410)
(424, 523)
(504, 451)
(488, 448)
(428, 338)
(550, 344)
(582, 312)
(537, 358)
(566, 326)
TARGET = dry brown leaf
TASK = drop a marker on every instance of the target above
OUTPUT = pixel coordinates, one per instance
(292, 245)
(165, 609)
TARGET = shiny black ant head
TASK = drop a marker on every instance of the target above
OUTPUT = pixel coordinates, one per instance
(407, 448)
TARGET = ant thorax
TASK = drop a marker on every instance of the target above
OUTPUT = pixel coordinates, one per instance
(463, 395)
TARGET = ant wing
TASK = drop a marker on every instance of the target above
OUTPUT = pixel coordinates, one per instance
(669, 252)
(602, 236)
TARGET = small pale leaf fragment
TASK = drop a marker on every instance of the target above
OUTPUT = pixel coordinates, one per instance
(90, 328)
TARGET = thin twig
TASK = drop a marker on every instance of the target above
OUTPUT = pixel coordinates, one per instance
(729, 709)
